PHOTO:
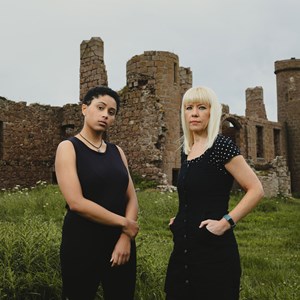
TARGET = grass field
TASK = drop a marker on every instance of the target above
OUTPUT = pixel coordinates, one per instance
(30, 229)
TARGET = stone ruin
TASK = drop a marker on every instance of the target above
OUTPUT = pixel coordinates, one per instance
(148, 124)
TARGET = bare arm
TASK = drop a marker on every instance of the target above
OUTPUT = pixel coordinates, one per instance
(121, 252)
(248, 180)
(68, 181)
(132, 204)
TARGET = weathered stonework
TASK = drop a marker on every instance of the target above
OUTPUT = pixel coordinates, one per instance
(29, 137)
(148, 127)
(261, 142)
(288, 101)
(148, 124)
(92, 67)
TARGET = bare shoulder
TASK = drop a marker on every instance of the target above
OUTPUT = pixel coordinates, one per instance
(65, 144)
(65, 147)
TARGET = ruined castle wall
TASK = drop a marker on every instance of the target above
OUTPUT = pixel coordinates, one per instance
(270, 165)
(262, 144)
(30, 135)
(29, 138)
(139, 131)
(274, 176)
(148, 125)
(71, 120)
(245, 133)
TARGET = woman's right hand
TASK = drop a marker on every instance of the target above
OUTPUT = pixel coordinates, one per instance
(131, 228)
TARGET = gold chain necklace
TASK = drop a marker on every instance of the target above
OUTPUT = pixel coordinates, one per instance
(96, 147)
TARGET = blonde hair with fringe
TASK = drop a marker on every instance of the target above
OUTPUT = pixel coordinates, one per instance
(203, 95)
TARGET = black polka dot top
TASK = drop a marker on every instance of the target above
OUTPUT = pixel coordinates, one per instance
(204, 181)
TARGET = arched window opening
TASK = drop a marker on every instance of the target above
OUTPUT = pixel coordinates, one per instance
(231, 128)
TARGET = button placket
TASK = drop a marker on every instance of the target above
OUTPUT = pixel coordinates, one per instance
(185, 233)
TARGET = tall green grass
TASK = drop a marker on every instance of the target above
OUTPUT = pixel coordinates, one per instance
(30, 232)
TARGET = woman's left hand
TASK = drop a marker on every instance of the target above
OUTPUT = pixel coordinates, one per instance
(214, 226)
(121, 253)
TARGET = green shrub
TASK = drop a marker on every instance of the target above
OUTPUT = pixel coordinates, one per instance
(141, 183)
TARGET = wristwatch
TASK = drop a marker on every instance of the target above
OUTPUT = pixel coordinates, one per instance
(229, 220)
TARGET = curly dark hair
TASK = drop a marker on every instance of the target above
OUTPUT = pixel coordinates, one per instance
(97, 91)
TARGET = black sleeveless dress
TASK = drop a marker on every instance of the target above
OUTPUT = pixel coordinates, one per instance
(87, 246)
(203, 265)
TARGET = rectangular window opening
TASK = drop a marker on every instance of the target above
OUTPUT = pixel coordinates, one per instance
(277, 148)
(175, 73)
(259, 142)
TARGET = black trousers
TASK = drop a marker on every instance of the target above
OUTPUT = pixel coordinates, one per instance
(81, 278)
(85, 254)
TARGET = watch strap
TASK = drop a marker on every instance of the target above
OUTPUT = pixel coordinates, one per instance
(229, 220)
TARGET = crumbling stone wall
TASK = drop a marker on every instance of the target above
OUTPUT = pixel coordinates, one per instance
(29, 137)
(142, 143)
(148, 124)
(274, 175)
(261, 142)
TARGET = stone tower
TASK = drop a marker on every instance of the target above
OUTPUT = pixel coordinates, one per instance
(155, 84)
(288, 101)
(92, 67)
(255, 106)
(148, 124)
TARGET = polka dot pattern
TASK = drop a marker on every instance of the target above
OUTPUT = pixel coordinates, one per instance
(222, 151)
(219, 154)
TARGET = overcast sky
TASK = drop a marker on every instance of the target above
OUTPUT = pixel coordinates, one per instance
(229, 45)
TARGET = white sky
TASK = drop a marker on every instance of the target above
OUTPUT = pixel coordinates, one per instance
(229, 45)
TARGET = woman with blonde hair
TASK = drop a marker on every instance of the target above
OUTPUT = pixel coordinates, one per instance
(205, 263)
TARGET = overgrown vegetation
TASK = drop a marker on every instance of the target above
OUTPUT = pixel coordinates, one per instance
(30, 230)
(141, 183)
